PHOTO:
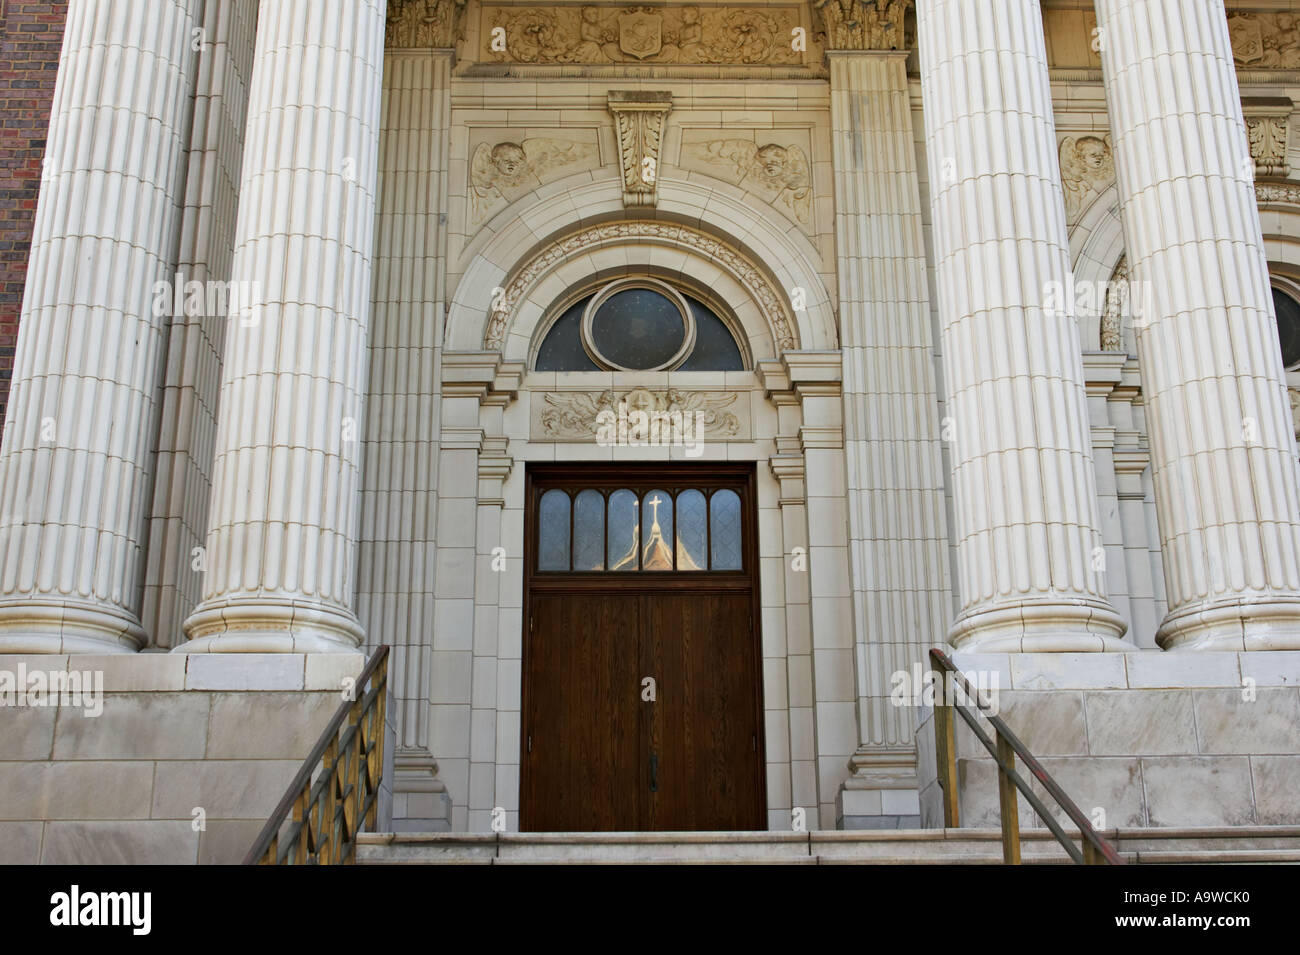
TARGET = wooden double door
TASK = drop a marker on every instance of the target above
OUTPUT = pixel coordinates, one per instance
(642, 682)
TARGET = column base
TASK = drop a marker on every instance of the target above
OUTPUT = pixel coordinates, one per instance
(271, 625)
(882, 792)
(421, 802)
(40, 625)
(1266, 622)
(1058, 626)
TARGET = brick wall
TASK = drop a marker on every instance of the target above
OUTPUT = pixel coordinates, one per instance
(31, 34)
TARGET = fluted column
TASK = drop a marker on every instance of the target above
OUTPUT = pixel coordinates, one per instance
(400, 494)
(1222, 446)
(187, 427)
(74, 472)
(282, 536)
(897, 521)
(1025, 503)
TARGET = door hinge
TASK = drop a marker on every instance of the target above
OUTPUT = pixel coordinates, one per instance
(753, 741)
(530, 742)
(532, 622)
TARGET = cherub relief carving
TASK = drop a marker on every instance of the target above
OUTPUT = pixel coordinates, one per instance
(502, 173)
(779, 174)
(1087, 169)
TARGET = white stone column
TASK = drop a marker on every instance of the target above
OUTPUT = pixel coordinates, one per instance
(179, 519)
(1222, 447)
(897, 521)
(282, 536)
(74, 473)
(1023, 484)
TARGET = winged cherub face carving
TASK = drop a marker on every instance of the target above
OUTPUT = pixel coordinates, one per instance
(773, 160)
(1092, 152)
(509, 159)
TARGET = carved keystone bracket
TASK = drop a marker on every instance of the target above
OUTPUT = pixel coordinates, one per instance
(1267, 122)
(639, 118)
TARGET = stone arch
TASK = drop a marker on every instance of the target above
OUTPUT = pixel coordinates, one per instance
(1096, 251)
(547, 246)
(1097, 247)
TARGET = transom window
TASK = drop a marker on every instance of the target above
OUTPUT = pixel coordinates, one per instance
(639, 324)
(622, 530)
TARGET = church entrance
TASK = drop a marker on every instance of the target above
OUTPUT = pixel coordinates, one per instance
(642, 702)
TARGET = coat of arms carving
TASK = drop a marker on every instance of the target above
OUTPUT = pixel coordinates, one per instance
(640, 34)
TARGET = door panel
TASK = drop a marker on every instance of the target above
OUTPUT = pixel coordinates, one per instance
(584, 715)
(703, 730)
(592, 635)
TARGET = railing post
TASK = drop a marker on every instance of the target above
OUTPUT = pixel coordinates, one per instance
(379, 728)
(302, 816)
(945, 747)
(335, 793)
(329, 805)
(1007, 804)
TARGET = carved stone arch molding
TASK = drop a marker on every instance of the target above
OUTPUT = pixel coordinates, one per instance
(1097, 251)
(511, 281)
(636, 239)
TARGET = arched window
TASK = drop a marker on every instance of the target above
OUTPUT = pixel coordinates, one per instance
(639, 325)
(1287, 306)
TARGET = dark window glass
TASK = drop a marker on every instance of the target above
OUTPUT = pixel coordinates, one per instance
(724, 531)
(1288, 326)
(553, 532)
(589, 531)
(657, 531)
(623, 531)
(692, 516)
(638, 328)
(562, 347)
(715, 349)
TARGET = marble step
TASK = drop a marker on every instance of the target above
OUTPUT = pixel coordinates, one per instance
(1279, 844)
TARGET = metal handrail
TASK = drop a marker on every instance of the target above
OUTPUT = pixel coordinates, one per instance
(1095, 850)
(328, 814)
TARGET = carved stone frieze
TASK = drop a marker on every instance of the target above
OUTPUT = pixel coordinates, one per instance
(685, 34)
(1266, 40)
(438, 24)
(863, 24)
(639, 119)
(1283, 192)
(584, 415)
(769, 300)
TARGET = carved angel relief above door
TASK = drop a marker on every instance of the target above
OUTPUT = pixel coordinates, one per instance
(505, 171)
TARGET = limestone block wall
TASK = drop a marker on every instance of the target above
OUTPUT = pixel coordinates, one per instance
(177, 732)
(1149, 738)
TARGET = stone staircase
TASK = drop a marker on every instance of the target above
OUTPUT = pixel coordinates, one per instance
(1244, 844)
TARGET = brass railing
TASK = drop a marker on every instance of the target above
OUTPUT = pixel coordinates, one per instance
(343, 800)
(1094, 850)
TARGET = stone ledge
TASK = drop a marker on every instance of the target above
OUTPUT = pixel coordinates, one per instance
(1137, 670)
(170, 672)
